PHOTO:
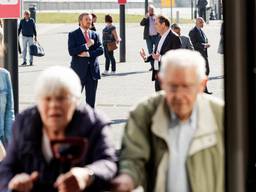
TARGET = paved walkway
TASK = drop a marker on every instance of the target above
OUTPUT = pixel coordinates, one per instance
(116, 94)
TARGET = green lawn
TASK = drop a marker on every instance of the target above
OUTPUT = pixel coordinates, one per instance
(72, 18)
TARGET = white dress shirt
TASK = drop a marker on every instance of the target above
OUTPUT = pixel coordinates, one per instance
(159, 47)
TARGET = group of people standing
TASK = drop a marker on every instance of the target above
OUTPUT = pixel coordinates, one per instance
(173, 141)
(161, 37)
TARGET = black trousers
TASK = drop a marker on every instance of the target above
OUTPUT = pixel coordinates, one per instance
(202, 13)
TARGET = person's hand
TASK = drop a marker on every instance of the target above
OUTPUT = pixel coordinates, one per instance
(206, 45)
(84, 54)
(77, 179)
(90, 43)
(23, 182)
(143, 54)
(122, 183)
(156, 56)
(35, 38)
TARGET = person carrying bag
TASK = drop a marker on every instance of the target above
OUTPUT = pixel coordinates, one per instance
(36, 49)
(110, 43)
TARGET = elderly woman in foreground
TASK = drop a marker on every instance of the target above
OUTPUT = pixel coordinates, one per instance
(31, 163)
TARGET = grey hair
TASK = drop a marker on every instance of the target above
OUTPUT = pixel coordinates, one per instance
(27, 12)
(183, 58)
(56, 79)
(151, 6)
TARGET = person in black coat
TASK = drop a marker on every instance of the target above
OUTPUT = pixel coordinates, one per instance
(200, 43)
(169, 40)
(201, 5)
(33, 163)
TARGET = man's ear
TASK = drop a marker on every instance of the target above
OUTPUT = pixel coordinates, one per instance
(202, 85)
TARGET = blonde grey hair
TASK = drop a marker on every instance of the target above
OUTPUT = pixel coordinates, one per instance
(56, 79)
(183, 58)
(27, 12)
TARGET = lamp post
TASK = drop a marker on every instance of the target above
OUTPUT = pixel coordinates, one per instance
(146, 6)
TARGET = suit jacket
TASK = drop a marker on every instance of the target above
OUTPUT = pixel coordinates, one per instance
(172, 41)
(24, 154)
(84, 65)
(145, 22)
(202, 3)
(197, 40)
(186, 43)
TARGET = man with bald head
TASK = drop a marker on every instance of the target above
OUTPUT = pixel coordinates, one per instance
(200, 43)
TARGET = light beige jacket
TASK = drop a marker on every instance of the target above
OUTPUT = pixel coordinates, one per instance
(148, 126)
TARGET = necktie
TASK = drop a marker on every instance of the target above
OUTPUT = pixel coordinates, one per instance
(202, 34)
(86, 35)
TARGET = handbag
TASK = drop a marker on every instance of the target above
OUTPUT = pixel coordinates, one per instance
(112, 46)
(36, 49)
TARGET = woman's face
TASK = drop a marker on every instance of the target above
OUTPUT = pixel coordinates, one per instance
(56, 111)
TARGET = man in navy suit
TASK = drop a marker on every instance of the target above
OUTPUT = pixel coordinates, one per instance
(85, 47)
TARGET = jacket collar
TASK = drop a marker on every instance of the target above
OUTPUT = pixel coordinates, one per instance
(205, 134)
(161, 121)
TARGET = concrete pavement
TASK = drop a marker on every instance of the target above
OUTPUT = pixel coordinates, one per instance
(118, 93)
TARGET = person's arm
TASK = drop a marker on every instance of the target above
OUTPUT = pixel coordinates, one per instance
(34, 30)
(116, 36)
(144, 21)
(11, 163)
(9, 116)
(135, 152)
(100, 171)
(97, 48)
(189, 44)
(73, 49)
(20, 27)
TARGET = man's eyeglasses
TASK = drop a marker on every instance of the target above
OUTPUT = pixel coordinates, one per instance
(182, 88)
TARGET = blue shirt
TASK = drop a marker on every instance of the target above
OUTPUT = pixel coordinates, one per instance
(180, 134)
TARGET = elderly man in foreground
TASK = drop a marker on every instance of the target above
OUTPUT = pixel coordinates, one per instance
(56, 145)
(173, 141)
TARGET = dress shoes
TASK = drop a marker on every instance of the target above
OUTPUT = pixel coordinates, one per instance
(207, 92)
(24, 63)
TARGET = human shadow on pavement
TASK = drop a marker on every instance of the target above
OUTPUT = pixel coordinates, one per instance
(216, 77)
(125, 74)
(118, 121)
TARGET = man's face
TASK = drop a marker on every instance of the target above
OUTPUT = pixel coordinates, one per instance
(181, 87)
(150, 11)
(200, 23)
(86, 21)
(26, 15)
(177, 31)
(159, 26)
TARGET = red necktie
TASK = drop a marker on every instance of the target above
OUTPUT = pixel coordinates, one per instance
(86, 35)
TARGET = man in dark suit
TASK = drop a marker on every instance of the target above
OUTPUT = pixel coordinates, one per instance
(169, 40)
(185, 41)
(85, 47)
(200, 43)
(150, 34)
